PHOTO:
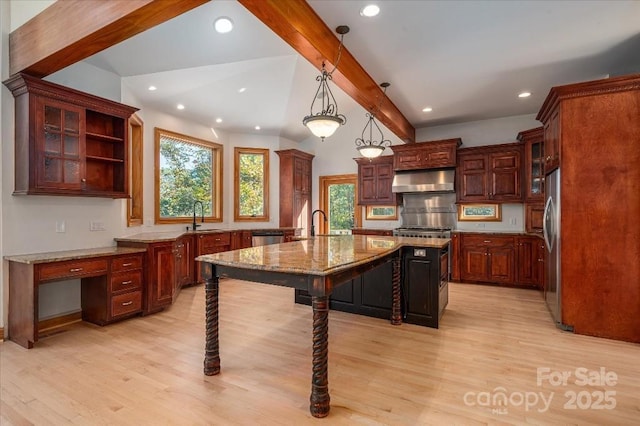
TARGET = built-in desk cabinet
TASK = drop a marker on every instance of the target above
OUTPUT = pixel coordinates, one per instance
(68, 142)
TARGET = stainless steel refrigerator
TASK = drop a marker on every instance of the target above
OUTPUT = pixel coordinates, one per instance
(551, 232)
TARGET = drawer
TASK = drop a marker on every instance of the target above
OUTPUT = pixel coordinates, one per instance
(125, 263)
(131, 280)
(126, 303)
(72, 268)
(487, 240)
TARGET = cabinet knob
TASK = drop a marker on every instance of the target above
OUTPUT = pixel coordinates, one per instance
(548, 158)
(83, 180)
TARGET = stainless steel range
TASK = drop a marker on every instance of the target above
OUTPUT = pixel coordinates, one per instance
(423, 232)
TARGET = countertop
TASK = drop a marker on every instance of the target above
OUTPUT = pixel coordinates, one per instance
(320, 255)
(59, 256)
(156, 237)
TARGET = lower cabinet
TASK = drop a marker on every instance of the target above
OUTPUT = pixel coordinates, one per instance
(368, 294)
(424, 289)
(506, 259)
(114, 296)
(185, 263)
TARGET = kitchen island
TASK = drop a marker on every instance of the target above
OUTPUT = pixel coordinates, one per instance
(317, 265)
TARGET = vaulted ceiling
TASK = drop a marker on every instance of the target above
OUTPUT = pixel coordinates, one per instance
(467, 60)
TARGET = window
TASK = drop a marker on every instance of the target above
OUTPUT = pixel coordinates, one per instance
(187, 170)
(338, 200)
(251, 185)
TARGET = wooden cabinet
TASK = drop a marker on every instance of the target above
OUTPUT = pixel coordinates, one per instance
(490, 174)
(368, 294)
(534, 170)
(487, 258)
(209, 243)
(240, 240)
(424, 285)
(295, 189)
(375, 177)
(591, 134)
(455, 255)
(184, 248)
(117, 295)
(290, 234)
(528, 267)
(160, 272)
(533, 218)
(68, 142)
(426, 155)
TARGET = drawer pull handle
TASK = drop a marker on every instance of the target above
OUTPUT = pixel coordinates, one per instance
(130, 302)
(127, 264)
(127, 282)
(75, 269)
(487, 241)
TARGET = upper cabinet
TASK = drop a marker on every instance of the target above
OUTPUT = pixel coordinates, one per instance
(490, 174)
(534, 166)
(426, 155)
(375, 177)
(295, 189)
(68, 142)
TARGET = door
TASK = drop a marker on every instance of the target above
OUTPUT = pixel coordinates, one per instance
(338, 195)
(551, 232)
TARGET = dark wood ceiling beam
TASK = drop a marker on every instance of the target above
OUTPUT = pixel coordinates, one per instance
(298, 24)
(69, 31)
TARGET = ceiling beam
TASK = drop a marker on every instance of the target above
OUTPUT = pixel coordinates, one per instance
(297, 23)
(69, 31)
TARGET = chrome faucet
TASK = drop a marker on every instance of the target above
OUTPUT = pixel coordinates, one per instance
(313, 229)
(195, 225)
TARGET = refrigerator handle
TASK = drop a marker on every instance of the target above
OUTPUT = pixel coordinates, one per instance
(545, 228)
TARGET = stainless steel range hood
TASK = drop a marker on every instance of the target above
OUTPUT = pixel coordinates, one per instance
(424, 181)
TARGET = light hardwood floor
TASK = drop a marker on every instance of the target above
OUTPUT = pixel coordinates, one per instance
(148, 371)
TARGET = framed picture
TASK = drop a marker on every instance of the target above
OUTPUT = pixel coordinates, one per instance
(480, 212)
(382, 213)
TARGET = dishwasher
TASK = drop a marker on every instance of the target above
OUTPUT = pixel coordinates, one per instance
(266, 237)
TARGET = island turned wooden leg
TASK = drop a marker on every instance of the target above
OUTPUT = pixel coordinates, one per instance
(396, 312)
(212, 349)
(320, 381)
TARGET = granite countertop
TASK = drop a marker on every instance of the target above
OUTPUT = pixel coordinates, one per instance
(154, 237)
(320, 255)
(59, 256)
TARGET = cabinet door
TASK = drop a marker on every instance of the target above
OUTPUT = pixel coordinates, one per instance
(301, 175)
(541, 252)
(186, 264)
(384, 195)
(473, 178)
(527, 261)
(534, 164)
(474, 263)
(506, 184)
(161, 285)
(60, 145)
(534, 214)
(552, 142)
(368, 191)
(501, 264)
(301, 211)
(444, 156)
(407, 160)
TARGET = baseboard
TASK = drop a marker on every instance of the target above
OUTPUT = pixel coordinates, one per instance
(57, 322)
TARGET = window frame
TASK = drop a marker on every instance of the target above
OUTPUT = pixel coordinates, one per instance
(216, 214)
(324, 183)
(237, 152)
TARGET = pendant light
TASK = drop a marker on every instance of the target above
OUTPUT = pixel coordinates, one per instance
(372, 148)
(325, 121)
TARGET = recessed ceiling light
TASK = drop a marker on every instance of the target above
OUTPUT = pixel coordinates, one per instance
(257, 127)
(218, 120)
(180, 106)
(427, 109)
(242, 89)
(152, 88)
(369, 10)
(223, 24)
(524, 95)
